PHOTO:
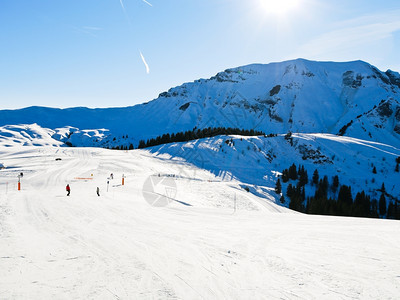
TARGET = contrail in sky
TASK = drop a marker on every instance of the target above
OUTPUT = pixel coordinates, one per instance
(147, 3)
(141, 54)
(122, 5)
(145, 63)
(125, 13)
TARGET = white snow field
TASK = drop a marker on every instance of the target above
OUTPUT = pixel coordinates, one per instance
(118, 246)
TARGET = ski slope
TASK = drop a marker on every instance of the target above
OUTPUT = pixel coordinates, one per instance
(213, 241)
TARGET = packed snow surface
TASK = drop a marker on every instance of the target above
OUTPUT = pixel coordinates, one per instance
(213, 241)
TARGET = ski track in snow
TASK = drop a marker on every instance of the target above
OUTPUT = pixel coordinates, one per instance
(119, 247)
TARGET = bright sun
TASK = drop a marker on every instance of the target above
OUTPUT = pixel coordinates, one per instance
(279, 6)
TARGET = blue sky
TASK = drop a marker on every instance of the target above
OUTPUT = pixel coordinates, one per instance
(94, 52)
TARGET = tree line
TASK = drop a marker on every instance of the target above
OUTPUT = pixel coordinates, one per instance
(332, 198)
(195, 134)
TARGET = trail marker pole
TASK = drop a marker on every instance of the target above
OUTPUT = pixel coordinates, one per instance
(108, 183)
(123, 179)
(19, 182)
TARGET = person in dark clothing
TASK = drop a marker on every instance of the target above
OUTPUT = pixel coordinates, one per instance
(68, 189)
(98, 191)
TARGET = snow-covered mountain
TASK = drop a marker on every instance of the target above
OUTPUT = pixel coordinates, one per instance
(345, 118)
(353, 99)
(201, 219)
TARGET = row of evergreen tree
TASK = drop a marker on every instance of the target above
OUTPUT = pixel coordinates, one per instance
(123, 147)
(333, 198)
(195, 134)
(189, 135)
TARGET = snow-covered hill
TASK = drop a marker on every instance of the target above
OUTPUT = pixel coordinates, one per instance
(35, 135)
(201, 246)
(257, 161)
(27, 135)
(353, 99)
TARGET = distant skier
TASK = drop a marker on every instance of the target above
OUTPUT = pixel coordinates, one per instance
(98, 191)
(111, 176)
(68, 189)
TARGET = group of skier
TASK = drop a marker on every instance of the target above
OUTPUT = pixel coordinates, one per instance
(68, 188)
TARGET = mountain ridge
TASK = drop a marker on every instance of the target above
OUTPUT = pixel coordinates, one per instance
(346, 98)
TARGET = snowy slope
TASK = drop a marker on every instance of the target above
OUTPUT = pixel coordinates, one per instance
(27, 135)
(257, 161)
(254, 161)
(34, 135)
(353, 98)
(117, 246)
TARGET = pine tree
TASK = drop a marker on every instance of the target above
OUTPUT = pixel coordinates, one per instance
(382, 205)
(361, 205)
(374, 209)
(278, 187)
(335, 184)
(285, 175)
(390, 211)
(296, 201)
(374, 170)
(345, 200)
(282, 200)
(315, 177)
(303, 176)
(293, 172)
(383, 190)
(396, 210)
(325, 184)
(289, 191)
(397, 168)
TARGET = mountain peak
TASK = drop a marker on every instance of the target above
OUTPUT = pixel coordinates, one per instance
(346, 98)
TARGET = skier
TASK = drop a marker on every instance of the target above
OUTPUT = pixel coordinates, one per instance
(111, 176)
(68, 189)
(98, 191)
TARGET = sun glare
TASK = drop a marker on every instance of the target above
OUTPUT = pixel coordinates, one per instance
(279, 6)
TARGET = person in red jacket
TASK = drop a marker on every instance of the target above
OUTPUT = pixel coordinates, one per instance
(68, 189)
